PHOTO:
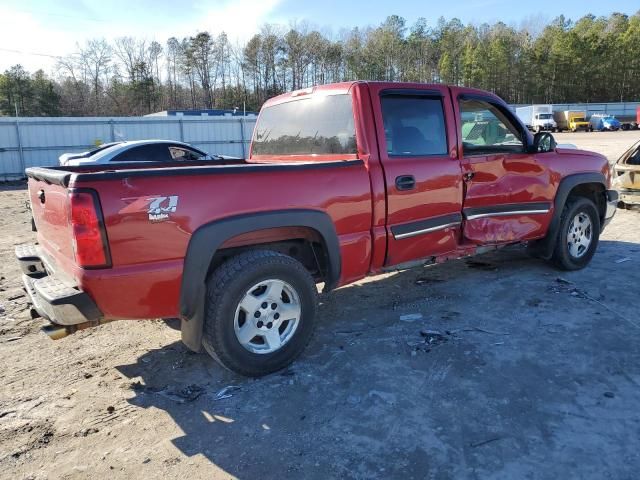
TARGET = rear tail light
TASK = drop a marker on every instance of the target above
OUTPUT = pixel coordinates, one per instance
(89, 235)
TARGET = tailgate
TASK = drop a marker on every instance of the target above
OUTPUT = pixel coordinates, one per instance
(49, 204)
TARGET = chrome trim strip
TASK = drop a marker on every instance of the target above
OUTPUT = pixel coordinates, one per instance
(400, 236)
(506, 214)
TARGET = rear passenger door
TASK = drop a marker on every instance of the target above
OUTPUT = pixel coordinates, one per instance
(421, 169)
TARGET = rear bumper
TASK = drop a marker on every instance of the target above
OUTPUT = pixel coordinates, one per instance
(612, 205)
(54, 299)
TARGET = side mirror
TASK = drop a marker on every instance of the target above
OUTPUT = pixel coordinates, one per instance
(543, 142)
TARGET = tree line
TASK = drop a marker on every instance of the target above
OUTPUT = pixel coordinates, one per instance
(594, 59)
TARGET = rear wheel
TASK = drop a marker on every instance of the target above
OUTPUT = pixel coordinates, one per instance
(260, 312)
(578, 236)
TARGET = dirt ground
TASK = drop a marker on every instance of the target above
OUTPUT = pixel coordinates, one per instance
(521, 371)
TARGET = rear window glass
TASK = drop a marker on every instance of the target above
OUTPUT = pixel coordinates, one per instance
(314, 125)
(100, 148)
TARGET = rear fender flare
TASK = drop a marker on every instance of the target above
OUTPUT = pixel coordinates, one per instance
(208, 238)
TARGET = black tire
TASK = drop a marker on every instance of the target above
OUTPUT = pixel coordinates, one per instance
(562, 256)
(226, 287)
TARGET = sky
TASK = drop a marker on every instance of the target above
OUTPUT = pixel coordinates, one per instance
(35, 32)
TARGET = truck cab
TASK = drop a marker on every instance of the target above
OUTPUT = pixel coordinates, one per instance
(578, 121)
(537, 118)
(544, 121)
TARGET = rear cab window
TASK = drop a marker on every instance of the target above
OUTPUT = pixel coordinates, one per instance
(314, 125)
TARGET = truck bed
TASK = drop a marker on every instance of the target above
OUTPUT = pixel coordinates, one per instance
(152, 247)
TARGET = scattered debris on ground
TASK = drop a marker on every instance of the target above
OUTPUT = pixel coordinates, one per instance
(480, 265)
(508, 358)
(183, 395)
(226, 392)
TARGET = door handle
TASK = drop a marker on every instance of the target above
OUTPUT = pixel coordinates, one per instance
(467, 176)
(405, 182)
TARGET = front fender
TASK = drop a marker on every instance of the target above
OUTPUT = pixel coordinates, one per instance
(544, 248)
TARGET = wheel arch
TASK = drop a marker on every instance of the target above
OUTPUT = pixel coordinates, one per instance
(587, 184)
(211, 237)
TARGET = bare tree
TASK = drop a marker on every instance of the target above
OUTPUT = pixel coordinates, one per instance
(95, 59)
(131, 52)
(201, 55)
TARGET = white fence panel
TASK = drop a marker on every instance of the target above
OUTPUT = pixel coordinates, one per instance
(28, 142)
(9, 148)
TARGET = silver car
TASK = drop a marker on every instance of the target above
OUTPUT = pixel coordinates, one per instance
(139, 151)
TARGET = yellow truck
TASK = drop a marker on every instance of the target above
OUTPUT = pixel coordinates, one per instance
(572, 120)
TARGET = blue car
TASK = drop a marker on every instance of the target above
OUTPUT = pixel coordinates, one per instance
(601, 122)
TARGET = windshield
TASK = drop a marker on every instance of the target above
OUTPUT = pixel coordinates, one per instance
(314, 125)
(545, 116)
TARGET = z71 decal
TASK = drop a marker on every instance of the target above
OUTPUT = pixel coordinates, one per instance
(158, 207)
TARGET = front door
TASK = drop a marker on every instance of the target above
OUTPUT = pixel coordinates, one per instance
(508, 191)
(421, 169)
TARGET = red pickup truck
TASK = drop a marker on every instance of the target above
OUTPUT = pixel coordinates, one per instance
(343, 181)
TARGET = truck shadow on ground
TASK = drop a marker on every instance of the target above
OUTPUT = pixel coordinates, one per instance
(362, 402)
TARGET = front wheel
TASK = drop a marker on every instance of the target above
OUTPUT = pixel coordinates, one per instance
(578, 236)
(260, 312)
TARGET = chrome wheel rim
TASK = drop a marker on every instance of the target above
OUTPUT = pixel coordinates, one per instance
(267, 316)
(580, 235)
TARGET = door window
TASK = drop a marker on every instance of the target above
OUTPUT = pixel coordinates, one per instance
(413, 125)
(145, 153)
(182, 154)
(485, 129)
